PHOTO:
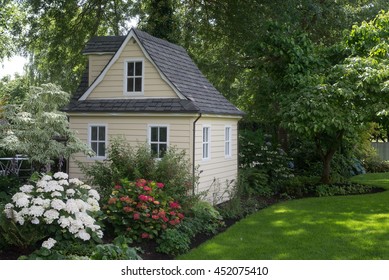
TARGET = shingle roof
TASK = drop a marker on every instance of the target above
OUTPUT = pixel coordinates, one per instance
(174, 62)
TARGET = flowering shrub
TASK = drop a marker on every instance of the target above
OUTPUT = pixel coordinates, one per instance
(141, 209)
(58, 206)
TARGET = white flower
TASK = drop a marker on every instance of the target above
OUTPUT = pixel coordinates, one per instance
(86, 187)
(36, 210)
(61, 175)
(51, 215)
(35, 221)
(63, 182)
(53, 186)
(76, 182)
(82, 206)
(46, 203)
(64, 221)
(49, 243)
(93, 205)
(40, 190)
(70, 192)
(9, 213)
(9, 206)
(46, 178)
(56, 194)
(99, 234)
(21, 199)
(26, 188)
(82, 234)
(37, 201)
(75, 226)
(58, 204)
(71, 206)
(94, 194)
(18, 218)
(87, 220)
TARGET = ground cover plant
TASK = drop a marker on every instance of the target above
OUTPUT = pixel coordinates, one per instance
(339, 227)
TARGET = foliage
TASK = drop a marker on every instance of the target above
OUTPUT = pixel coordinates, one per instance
(299, 186)
(343, 189)
(14, 91)
(141, 209)
(9, 185)
(56, 207)
(38, 129)
(255, 182)
(124, 161)
(375, 164)
(173, 242)
(117, 250)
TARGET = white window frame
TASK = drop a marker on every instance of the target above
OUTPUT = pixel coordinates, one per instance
(158, 142)
(125, 77)
(206, 142)
(90, 126)
(228, 141)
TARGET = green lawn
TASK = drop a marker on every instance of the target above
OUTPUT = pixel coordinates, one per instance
(342, 227)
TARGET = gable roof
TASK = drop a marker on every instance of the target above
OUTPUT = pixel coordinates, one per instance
(175, 66)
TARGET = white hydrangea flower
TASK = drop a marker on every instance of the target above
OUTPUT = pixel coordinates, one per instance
(24, 211)
(99, 234)
(86, 187)
(75, 226)
(49, 243)
(58, 204)
(76, 181)
(35, 221)
(8, 206)
(26, 188)
(82, 206)
(87, 220)
(60, 175)
(36, 210)
(82, 234)
(46, 203)
(56, 194)
(9, 213)
(18, 218)
(94, 194)
(64, 221)
(93, 205)
(46, 178)
(63, 182)
(21, 199)
(70, 192)
(71, 206)
(51, 215)
(37, 201)
(53, 186)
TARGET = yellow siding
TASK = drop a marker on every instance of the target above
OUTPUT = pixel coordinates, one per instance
(134, 129)
(219, 172)
(97, 64)
(112, 84)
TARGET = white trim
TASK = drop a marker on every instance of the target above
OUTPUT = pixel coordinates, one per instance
(140, 114)
(99, 79)
(208, 142)
(90, 125)
(228, 154)
(125, 77)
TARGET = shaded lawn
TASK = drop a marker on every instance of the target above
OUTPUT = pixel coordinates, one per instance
(342, 227)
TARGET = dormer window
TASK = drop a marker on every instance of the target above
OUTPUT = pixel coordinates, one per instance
(133, 77)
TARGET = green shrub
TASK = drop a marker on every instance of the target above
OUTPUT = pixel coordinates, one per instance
(118, 250)
(125, 161)
(299, 186)
(173, 242)
(254, 182)
(142, 209)
(209, 219)
(376, 165)
(341, 189)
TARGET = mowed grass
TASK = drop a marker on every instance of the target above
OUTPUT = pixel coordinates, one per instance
(330, 228)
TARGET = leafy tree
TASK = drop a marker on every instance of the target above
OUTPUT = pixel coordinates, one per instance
(337, 103)
(38, 129)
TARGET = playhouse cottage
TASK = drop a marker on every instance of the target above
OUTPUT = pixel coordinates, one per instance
(149, 90)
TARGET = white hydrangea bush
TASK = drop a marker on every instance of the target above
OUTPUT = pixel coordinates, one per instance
(67, 205)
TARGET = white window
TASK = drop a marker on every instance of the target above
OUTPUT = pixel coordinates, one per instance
(98, 139)
(227, 141)
(133, 77)
(158, 139)
(206, 142)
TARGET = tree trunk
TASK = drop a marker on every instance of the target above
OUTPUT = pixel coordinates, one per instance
(326, 173)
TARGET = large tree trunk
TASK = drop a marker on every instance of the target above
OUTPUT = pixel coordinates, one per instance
(326, 173)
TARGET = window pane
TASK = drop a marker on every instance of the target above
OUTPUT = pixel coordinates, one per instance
(154, 149)
(138, 84)
(154, 134)
(130, 84)
(94, 133)
(101, 133)
(205, 134)
(138, 68)
(163, 134)
(130, 69)
(162, 150)
(94, 147)
(227, 136)
(101, 151)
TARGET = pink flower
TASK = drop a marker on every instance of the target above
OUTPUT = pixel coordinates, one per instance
(155, 217)
(112, 200)
(180, 215)
(136, 216)
(146, 188)
(141, 182)
(160, 185)
(145, 235)
(174, 205)
(117, 187)
(127, 209)
(143, 197)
